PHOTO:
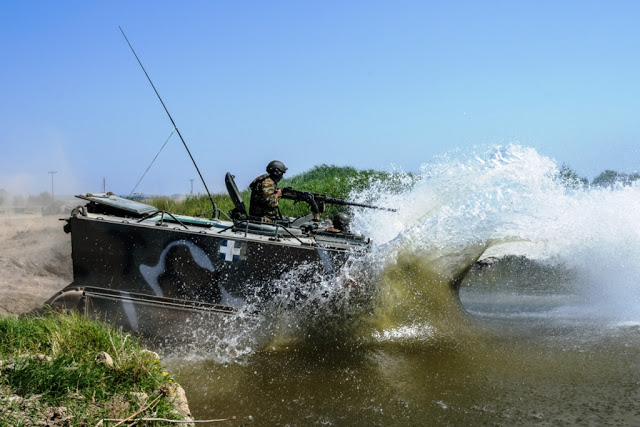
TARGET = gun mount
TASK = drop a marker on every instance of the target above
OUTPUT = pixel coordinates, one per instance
(317, 201)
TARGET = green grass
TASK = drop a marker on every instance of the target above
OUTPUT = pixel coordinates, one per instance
(194, 205)
(334, 181)
(50, 361)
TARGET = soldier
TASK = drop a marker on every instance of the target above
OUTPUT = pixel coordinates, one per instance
(340, 223)
(265, 192)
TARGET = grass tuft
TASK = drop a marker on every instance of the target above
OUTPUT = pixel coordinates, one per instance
(49, 361)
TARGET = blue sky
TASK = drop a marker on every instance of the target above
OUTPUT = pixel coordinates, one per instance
(367, 84)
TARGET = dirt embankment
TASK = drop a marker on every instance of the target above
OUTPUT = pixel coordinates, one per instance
(35, 262)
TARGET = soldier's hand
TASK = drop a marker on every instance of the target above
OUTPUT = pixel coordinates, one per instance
(278, 193)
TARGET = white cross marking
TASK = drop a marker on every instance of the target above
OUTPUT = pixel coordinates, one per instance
(231, 248)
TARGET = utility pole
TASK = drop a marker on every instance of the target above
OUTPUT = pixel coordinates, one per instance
(191, 185)
(52, 194)
(104, 185)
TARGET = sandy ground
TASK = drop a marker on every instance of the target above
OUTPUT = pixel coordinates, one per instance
(35, 262)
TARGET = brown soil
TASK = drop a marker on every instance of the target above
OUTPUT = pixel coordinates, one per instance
(35, 262)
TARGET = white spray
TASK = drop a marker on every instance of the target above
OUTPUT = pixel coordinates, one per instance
(514, 194)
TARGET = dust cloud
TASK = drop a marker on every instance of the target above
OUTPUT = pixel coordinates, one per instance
(35, 261)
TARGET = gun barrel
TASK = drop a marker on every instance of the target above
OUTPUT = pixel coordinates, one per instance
(311, 198)
(359, 205)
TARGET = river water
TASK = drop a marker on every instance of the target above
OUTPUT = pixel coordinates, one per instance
(410, 334)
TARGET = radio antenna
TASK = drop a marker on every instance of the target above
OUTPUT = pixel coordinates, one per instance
(213, 204)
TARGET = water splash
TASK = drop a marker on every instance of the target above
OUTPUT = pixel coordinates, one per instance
(511, 200)
(499, 201)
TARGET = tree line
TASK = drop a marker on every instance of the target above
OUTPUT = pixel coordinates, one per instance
(340, 181)
(607, 179)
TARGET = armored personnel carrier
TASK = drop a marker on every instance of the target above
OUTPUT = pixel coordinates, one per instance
(150, 271)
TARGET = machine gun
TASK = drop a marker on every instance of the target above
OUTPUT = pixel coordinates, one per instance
(317, 201)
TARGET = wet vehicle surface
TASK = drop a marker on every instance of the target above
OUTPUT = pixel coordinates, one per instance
(148, 271)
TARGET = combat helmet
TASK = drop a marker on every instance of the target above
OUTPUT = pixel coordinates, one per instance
(276, 165)
(341, 221)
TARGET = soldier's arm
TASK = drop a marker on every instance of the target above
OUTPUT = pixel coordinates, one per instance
(270, 193)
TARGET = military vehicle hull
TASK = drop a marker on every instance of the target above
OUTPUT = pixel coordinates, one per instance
(153, 272)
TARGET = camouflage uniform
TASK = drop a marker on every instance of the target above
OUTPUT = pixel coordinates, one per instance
(264, 202)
